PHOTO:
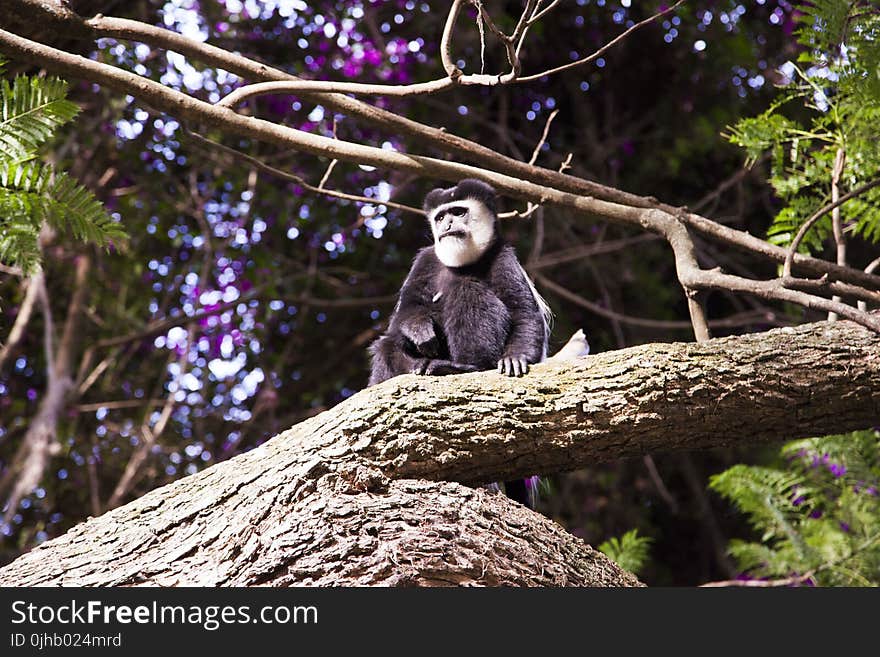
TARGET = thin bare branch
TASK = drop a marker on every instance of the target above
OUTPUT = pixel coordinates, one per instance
(836, 224)
(48, 325)
(543, 12)
(351, 302)
(659, 484)
(12, 271)
(326, 175)
(102, 26)
(39, 441)
(809, 223)
(590, 250)
(727, 184)
(601, 51)
(149, 435)
(741, 319)
(872, 266)
(285, 175)
(161, 326)
(116, 405)
(452, 71)
(794, 580)
(22, 318)
(321, 86)
(543, 140)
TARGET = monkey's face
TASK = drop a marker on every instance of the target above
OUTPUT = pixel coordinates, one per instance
(463, 230)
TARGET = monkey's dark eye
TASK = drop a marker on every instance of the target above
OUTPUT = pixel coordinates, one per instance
(457, 210)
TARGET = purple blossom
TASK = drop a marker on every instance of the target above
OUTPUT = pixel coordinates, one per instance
(372, 56)
(838, 470)
(351, 69)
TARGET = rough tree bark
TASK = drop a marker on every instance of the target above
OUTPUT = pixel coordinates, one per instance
(353, 496)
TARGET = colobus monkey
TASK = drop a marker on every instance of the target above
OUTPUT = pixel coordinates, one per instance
(467, 304)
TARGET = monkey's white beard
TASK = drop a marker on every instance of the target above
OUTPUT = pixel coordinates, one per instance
(458, 251)
(455, 251)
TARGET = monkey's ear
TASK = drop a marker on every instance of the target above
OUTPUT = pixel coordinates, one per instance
(434, 198)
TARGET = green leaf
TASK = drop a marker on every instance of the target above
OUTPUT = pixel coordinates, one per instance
(31, 109)
(630, 551)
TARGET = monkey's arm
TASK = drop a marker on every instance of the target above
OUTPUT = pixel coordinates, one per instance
(441, 367)
(527, 340)
(413, 314)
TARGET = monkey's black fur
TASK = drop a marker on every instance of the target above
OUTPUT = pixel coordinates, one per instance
(466, 189)
(485, 312)
(461, 319)
(479, 316)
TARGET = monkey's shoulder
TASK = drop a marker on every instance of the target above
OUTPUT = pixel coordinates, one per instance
(424, 270)
(506, 270)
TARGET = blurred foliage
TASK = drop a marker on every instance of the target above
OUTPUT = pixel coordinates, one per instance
(817, 512)
(277, 292)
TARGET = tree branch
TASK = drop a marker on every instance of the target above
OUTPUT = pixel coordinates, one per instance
(670, 226)
(25, 310)
(101, 26)
(809, 223)
(601, 51)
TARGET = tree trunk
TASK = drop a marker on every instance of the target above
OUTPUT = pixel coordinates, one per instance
(343, 497)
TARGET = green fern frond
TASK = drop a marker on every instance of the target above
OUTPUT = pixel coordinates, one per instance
(31, 110)
(821, 515)
(630, 551)
(768, 497)
(19, 242)
(866, 222)
(857, 454)
(28, 177)
(761, 133)
(837, 80)
(759, 560)
(67, 204)
(33, 193)
(823, 23)
(786, 224)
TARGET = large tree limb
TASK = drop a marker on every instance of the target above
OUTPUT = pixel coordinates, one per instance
(246, 526)
(344, 497)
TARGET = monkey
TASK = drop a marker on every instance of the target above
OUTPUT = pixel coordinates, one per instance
(466, 305)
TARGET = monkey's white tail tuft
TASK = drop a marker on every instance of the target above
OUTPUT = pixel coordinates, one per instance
(543, 306)
(576, 347)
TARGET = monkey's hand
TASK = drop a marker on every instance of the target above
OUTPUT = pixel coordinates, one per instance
(423, 336)
(440, 367)
(513, 365)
